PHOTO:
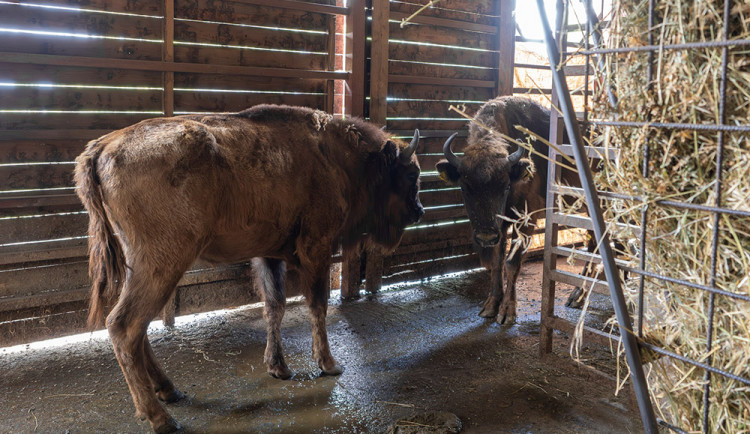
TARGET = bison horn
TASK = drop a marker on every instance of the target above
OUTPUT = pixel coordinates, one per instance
(515, 157)
(412, 146)
(449, 155)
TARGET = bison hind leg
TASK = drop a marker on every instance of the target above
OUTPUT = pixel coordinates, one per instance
(269, 278)
(144, 294)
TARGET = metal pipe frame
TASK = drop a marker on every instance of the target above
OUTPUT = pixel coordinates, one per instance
(618, 298)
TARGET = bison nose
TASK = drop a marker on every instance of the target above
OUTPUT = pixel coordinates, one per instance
(486, 239)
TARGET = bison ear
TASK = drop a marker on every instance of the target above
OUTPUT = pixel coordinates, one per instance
(390, 150)
(524, 170)
(448, 172)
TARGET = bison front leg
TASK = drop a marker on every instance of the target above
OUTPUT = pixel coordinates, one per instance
(512, 270)
(269, 274)
(491, 305)
(317, 302)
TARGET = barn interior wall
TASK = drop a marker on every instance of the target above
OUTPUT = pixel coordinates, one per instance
(72, 70)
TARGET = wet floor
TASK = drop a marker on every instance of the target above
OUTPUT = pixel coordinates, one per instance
(405, 351)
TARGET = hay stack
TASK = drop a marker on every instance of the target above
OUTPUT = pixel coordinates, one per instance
(682, 167)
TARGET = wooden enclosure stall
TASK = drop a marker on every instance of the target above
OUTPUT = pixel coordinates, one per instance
(73, 70)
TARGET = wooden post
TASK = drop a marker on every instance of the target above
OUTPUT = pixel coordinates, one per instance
(354, 105)
(381, 11)
(506, 37)
(170, 309)
(331, 63)
(557, 128)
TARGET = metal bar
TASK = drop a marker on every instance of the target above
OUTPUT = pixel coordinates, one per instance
(584, 171)
(644, 173)
(696, 127)
(688, 284)
(670, 426)
(685, 46)
(594, 26)
(717, 216)
(690, 361)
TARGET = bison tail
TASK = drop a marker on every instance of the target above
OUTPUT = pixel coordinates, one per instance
(106, 258)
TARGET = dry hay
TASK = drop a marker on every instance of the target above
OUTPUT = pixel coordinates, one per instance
(682, 167)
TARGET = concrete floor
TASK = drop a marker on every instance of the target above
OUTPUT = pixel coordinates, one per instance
(405, 351)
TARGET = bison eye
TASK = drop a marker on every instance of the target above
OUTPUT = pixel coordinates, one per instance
(412, 177)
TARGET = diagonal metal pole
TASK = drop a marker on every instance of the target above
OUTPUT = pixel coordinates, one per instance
(592, 199)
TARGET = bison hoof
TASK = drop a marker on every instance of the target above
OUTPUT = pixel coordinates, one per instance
(575, 300)
(173, 396)
(508, 318)
(171, 425)
(280, 371)
(336, 369)
(489, 309)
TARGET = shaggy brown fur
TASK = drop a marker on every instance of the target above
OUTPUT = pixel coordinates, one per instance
(485, 175)
(281, 184)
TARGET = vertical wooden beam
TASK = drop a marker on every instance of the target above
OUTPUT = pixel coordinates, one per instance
(354, 105)
(381, 11)
(355, 58)
(331, 62)
(170, 309)
(557, 128)
(506, 47)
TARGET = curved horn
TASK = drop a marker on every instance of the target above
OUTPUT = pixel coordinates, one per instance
(449, 155)
(515, 157)
(412, 146)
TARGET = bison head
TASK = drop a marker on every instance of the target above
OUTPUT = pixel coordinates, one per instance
(397, 193)
(486, 175)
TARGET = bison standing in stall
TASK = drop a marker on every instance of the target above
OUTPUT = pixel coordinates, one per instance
(495, 178)
(279, 184)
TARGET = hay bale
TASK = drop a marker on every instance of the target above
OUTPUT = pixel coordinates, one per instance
(682, 167)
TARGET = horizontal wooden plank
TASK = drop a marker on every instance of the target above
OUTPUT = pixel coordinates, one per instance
(443, 22)
(43, 98)
(48, 251)
(445, 196)
(22, 177)
(427, 124)
(438, 81)
(37, 199)
(201, 54)
(79, 22)
(79, 134)
(459, 232)
(424, 108)
(25, 151)
(43, 227)
(429, 255)
(459, 72)
(219, 82)
(442, 36)
(466, 13)
(435, 54)
(429, 269)
(46, 300)
(314, 6)
(25, 45)
(246, 36)
(132, 7)
(447, 212)
(434, 145)
(59, 121)
(231, 102)
(432, 246)
(42, 280)
(30, 74)
(153, 65)
(451, 93)
(245, 12)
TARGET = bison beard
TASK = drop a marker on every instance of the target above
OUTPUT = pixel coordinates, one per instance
(283, 185)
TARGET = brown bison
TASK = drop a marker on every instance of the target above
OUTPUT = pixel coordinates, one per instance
(284, 185)
(494, 179)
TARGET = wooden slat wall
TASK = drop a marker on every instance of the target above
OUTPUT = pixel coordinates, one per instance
(449, 54)
(74, 70)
